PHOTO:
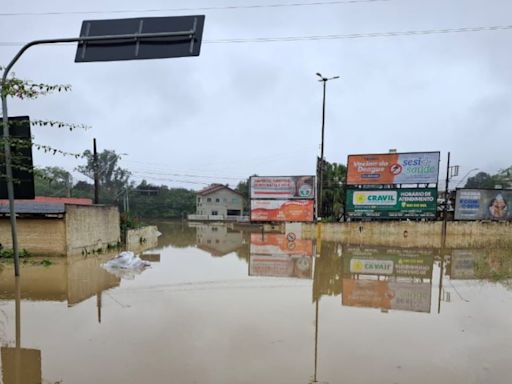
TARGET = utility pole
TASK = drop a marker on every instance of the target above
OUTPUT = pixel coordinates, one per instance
(445, 208)
(321, 175)
(96, 174)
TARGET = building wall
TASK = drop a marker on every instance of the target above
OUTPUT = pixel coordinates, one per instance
(91, 227)
(40, 236)
(220, 201)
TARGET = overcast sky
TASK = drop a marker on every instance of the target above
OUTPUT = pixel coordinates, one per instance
(255, 108)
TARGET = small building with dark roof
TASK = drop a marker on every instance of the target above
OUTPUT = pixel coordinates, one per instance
(53, 227)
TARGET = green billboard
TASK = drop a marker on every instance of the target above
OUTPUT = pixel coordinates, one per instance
(392, 203)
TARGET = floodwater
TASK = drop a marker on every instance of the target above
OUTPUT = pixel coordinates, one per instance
(220, 305)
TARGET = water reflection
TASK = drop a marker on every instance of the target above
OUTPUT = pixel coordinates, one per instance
(20, 365)
(248, 296)
(72, 279)
(277, 255)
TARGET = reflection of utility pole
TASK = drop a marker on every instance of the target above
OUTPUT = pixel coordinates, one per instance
(98, 304)
(440, 281)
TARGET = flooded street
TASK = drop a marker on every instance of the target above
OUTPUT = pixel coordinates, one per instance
(226, 305)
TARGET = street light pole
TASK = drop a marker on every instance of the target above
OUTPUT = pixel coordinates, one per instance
(324, 80)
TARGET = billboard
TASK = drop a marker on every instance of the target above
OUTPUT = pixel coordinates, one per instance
(389, 261)
(282, 210)
(392, 203)
(393, 168)
(279, 255)
(282, 187)
(483, 204)
(281, 265)
(398, 295)
(274, 243)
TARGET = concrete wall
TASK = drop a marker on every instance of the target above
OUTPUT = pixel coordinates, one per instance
(140, 239)
(38, 236)
(415, 234)
(91, 227)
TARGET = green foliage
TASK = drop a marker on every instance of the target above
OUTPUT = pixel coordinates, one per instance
(333, 193)
(8, 253)
(151, 201)
(112, 178)
(53, 181)
(243, 189)
(484, 180)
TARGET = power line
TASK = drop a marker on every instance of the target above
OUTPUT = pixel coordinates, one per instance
(183, 175)
(332, 37)
(215, 8)
(360, 35)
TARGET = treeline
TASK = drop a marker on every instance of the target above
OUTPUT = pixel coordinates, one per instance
(501, 179)
(139, 200)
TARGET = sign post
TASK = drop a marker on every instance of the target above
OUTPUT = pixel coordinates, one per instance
(110, 40)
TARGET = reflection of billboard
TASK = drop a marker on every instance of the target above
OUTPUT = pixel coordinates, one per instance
(393, 168)
(281, 265)
(282, 210)
(399, 295)
(462, 264)
(279, 255)
(282, 187)
(272, 243)
(392, 203)
(389, 261)
(21, 365)
(483, 204)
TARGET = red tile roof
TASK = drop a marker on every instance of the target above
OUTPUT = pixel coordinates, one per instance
(214, 188)
(48, 199)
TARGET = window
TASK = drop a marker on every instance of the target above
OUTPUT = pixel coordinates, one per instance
(208, 200)
(217, 200)
(198, 199)
(215, 213)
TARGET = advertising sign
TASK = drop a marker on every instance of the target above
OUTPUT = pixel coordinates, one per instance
(389, 261)
(399, 295)
(463, 263)
(272, 244)
(393, 168)
(392, 203)
(282, 210)
(483, 204)
(281, 266)
(282, 187)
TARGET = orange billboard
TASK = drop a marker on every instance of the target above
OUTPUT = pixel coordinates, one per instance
(282, 210)
(393, 168)
(274, 243)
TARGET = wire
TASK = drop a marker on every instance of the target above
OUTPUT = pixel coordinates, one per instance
(332, 37)
(216, 8)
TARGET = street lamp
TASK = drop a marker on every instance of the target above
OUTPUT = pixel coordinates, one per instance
(466, 175)
(324, 80)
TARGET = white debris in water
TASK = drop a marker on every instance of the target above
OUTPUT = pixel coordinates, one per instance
(126, 265)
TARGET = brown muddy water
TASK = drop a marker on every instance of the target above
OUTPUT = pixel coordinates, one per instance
(220, 305)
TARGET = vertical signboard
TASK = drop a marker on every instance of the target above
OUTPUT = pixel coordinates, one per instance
(483, 204)
(21, 160)
(393, 168)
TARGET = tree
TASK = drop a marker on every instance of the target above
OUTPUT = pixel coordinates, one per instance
(333, 193)
(112, 178)
(28, 90)
(243, 189)
(53, 181)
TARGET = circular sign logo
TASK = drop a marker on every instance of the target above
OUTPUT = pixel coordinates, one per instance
(305, 190)
(395, 169)
(360, 198)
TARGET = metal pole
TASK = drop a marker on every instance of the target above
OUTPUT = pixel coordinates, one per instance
(8, 168)
(321, 178)
(96, 174)
(445, 210)
(8, 174)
